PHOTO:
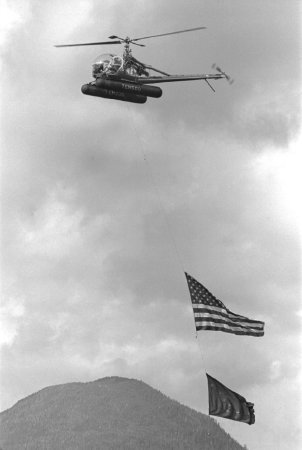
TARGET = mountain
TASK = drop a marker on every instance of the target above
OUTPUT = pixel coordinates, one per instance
(111, 413)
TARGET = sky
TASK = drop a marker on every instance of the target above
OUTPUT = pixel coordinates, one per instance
(105, 204)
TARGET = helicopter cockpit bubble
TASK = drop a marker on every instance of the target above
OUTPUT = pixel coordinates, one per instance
(106, 63)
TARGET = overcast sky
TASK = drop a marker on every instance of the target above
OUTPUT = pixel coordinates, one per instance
(105, 204)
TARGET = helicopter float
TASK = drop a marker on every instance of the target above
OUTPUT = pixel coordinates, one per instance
(127, 79)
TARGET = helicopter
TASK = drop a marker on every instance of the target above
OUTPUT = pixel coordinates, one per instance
(127, 79)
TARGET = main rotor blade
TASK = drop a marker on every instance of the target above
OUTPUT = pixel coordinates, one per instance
(166, 34)
(115, 37)
(89, 43)
(134, 43)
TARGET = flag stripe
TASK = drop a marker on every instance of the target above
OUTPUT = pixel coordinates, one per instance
(226, 330)
(220, 325)
(221, 322)
(206, 314)
(218, 309)
(227, 322)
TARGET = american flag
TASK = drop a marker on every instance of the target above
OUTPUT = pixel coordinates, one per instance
(211, 314)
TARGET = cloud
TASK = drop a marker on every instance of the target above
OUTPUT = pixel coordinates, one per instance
(10, 315)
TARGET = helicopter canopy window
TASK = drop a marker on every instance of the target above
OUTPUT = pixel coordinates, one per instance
(106, 63)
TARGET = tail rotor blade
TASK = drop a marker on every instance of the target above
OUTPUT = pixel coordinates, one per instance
(227, 77)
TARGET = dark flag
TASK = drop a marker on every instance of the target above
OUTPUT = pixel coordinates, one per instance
(211, 314)
(228, 404)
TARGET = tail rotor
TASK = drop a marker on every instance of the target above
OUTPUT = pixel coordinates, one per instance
(227, 77)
